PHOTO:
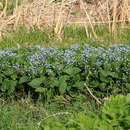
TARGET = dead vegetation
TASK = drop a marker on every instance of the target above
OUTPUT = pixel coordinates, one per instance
(44, 13)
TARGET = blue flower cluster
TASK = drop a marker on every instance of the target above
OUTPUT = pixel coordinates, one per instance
(53, 58)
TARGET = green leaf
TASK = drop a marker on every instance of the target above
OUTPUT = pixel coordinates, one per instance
(127, 85)
(72, 70)
(1, 79)
(113, 74)
(4, 85)
(107, 66)
(14, 76)
(103, 86)
(9, 72)
(103, 76)
(23, 79)
(92, 59)
(103, 73)
(62, 87)
(8, 85)
(40, 90)
(64, 77)
(79, 85)
(128, 98)
(54, 83)
(35, 82)
(12, 86)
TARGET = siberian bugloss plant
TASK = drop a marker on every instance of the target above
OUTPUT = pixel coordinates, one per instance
(52, 71)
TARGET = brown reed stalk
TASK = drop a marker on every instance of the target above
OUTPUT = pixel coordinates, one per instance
(38, 19)
(123, 12)
(17, 15)
(108, 16)
(68, 14)
(100, 11)
(1, 5)
(59, 23)
(91, 25)
(5, 8)
(115, 3)
(54, 15)
(16, 6)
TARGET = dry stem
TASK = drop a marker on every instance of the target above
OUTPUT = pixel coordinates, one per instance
(92, 94)
(54, 115)
(5, 8)
(108, 15)
(59, 24)
(115, 3)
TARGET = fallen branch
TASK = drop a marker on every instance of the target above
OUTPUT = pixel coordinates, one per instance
(92, 94)
(54, 115)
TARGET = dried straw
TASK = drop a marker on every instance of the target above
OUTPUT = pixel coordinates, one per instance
(44, 13)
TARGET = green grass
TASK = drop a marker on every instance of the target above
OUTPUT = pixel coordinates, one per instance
(71, 35)
(23, 113)
(27, 113)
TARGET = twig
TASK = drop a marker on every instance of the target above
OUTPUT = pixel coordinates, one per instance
(1, 14)
(11, 19)
(54, 115)
(92, 94)
(71, 2)
(64, 99)
(119, 21)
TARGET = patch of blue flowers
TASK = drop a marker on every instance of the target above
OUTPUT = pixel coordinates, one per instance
(59, 71)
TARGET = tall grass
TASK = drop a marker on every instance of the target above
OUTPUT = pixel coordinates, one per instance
(71, 35)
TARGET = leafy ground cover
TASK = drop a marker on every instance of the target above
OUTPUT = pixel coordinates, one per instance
(114, 115)
(53, 71)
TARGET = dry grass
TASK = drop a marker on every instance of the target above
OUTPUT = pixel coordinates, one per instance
(44, 13)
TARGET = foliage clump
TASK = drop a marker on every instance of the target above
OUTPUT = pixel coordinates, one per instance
(114, 115)
(52, 71)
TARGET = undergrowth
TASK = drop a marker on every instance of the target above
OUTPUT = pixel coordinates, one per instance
(38, 85)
